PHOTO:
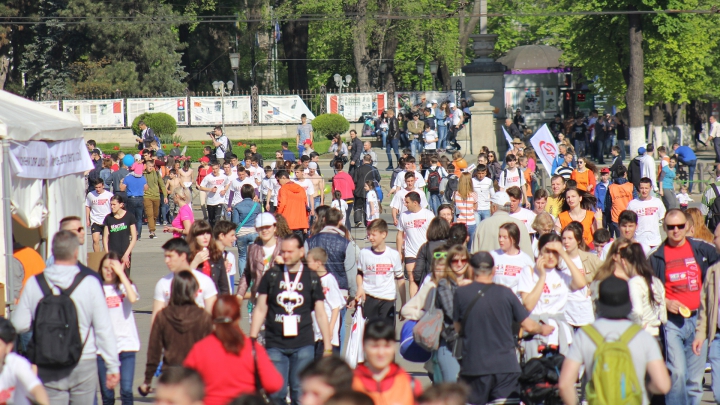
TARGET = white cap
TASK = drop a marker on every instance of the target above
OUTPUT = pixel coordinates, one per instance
(312, 165)
(433, 101)
(137, 157)
(429, 106)
(264, 219)
(451, 105)
(500, 198)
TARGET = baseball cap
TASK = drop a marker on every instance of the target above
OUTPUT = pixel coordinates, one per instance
(605, 170)
(641, 150)
(204, 159)
(429, 105)
(451, 105)
(433, 101)
(137, 157)
(500, 198)
(482, 260)
(264, 219)
(312, 165)
(614, 299)
(308, 142)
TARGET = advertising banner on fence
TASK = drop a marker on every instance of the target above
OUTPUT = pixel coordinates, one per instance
(353, 106)
(405, 100)
(282, 110)
(97, 113)
(545, 147)
(55, 105)
(49, 160)
(175, 107)
(209, 111)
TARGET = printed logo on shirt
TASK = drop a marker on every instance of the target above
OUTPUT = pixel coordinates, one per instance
(114, 301)
(416, 223)
(509, 270)
(118, 227)
(101, 202)
(647, 211)
(6, 395)
(379, 269)
(513, 179)
(546, 290)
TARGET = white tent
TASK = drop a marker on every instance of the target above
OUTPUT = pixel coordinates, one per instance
(43, 162)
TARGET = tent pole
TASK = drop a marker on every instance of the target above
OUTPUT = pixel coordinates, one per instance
(6, 197)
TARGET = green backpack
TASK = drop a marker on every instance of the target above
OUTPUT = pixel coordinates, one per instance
(613, 380)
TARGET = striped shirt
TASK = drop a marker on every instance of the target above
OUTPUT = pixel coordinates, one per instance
(466, 211)
(564, 171)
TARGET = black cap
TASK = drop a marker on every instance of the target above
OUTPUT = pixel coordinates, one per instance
(7, 331)
(482, 260)
(96, 151)
(614, 299)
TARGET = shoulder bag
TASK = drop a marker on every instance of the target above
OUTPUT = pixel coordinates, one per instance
(246, 217)
(426, 332)
(458, 348)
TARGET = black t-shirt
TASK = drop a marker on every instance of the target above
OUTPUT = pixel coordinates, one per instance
(273, 284)
(578, 132)
(119, 232)
(492, 348)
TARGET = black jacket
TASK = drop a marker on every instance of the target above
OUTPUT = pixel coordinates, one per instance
(634, 172)
(393, 128)
(615, 167)
(361, 175)
(356, 150)
(218, 274)
(705, 255)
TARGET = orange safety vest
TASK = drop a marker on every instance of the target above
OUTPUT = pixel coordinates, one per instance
(620, 195)
(587, 224)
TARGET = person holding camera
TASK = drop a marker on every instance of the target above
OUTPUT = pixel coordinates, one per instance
(220, 141)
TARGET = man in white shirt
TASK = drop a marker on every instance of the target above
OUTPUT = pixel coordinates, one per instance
(518, 212)
(400, 178)
(177, 252)
(483, 187)
(214, 185)
(97, 207)
(457, 121)
(648, 168)
(398, 202)
(627, 225)
(714, 135)
(412, 233)
(220, 141)
(433, 178)
(233, 188)
(650, 211)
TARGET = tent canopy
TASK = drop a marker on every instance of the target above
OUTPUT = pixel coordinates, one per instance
(25, 120)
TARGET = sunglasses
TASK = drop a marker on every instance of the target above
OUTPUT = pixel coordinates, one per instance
(464, 260)
(81, 230)
(673, 227)
(440, 255)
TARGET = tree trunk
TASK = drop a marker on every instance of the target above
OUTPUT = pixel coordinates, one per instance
(467, 28)
(295, 44)
(4, 68)
(636, 88)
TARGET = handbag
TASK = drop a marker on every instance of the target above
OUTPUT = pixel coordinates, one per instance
(458, 347)
(259, 390)
(354, 349)
(427, 330)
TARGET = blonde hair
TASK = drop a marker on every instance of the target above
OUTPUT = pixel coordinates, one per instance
(457, 250)
(701, 231)
(543, 223)
(608, 267)
(465, 186)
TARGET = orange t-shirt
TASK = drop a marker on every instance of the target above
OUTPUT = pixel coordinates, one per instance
(587, 224)
(585, 180)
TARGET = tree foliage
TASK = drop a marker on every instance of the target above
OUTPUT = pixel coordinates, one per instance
(164, 125)
(329, 124)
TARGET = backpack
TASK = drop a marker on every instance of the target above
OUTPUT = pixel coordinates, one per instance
(433, 181)
(452, 185)
(713, 216)
(56, 341)
(228, 149)
(613, 379)
(505, 174)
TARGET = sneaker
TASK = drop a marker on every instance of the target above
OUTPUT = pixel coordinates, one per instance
(152, 235)
(389, 169)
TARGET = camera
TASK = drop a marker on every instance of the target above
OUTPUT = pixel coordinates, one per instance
(210, 133)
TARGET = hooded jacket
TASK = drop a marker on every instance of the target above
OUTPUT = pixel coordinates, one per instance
(175, 330)
(292, 205)
(634, 172)
(397, 387)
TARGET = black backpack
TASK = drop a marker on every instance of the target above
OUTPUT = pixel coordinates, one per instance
(713, 216)
(56, 341)
(433, 182)
(451, 187)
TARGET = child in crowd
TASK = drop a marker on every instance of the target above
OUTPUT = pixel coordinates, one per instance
(323, 378)
(601, 237)
(105, 173)
(340, 204)
(268, 190)
(601, 190)
(373, 208)
(683, 197)
(17, 378)
(334, 301)
(224, 233)
(483, 187)
(431, 138)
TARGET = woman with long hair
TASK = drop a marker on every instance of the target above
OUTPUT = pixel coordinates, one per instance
(698, 229)
(415, 307)
(510, 261)
(180, 226)
(228, 361)
(458, 235)
(176, 328)
(447, 212)
(610, 266)
(578, 207)
(584, 175)
(206, 256)
(437, 234)
(120, 295)
(319, 223)
(119, 231)
(494, 167)
(647, 292)
(667, 188)
(466, 201)
(579, 309)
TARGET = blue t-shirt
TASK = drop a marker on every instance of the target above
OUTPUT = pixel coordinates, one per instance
(304, 131)
(685, 153)
(667, 182)
(135, 185)
(288, 156)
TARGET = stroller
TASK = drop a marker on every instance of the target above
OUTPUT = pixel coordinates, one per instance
(539, 377)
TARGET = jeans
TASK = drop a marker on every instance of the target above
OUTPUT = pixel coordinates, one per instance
(449, 366)
(301, 149)
(434, 201)
(686, 369)
(714, 360)
(691, 164)
(242, 245)
(316, 201)
(481, 215)
(621, 145)
(471, 234)
(164, 211)
(415, 148)
(289, 363)
(383, 134)
(442, 131)
(349, 213)
(392, 143)
(127, 373)
(135, 206)
(342, 318)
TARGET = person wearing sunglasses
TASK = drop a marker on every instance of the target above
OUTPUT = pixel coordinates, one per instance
(682, 264)
(74, 224)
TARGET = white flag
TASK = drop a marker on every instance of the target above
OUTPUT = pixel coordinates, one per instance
(507, 138)
(545, 147)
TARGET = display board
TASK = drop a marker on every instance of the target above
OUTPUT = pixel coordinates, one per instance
(405, 100)
(282, 110)
(353, 106)
(53, 104)
(97, 113)
(175, 107)
(209, 111)
(531, 100)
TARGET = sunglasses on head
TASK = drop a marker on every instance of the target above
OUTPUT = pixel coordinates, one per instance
(673, 227)
(440, 255)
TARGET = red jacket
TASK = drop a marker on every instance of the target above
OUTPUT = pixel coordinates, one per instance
(292, 205)
(398, 387)
(343, 182)
(227, 375)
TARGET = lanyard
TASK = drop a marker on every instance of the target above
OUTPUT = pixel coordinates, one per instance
(288, 285)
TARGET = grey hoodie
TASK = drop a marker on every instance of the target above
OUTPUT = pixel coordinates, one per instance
(91, 308)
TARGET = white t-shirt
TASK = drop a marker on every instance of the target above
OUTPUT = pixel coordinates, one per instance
(414, 225)
(333, 300)
(236, 186)
(379, 272)
(211, 181)
(308, 186)
(484, 190)
(229, 179)
(219, 151)
(514, 178)
(432, 137)
(555, 292)
(400, 180)
(398, 201)
(526, 216)
(17, 379)
(99, 206)
(649, 213)
(207, 288)
(267, 185)
(579, 308)
(342, 206)
(372, 201)
(230, 267)
(122, 318)
(508, 268)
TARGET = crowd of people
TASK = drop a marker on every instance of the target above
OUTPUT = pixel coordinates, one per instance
(507, 268)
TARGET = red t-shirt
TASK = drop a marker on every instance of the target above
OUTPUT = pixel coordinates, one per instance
(683, 277)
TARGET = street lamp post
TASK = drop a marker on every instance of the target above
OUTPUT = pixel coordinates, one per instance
(222, 89)
(340, 83)
(420, 65)
(433, 71)
(235, 64)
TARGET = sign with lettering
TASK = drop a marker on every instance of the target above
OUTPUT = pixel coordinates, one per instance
(49, 160)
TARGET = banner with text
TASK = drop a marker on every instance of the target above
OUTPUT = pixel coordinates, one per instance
(49, 160)
(175, 107)
(54, 105)
(282, 110)
(405, 100)
(209, 110)
(97, 113)
(545, 147)
(353, 106)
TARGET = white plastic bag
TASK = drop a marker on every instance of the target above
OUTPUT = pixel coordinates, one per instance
(354, 351)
